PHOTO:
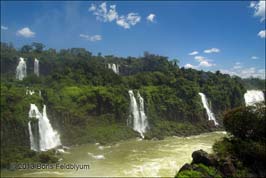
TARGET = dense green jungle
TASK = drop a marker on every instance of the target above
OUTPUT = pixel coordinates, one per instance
(87, 102)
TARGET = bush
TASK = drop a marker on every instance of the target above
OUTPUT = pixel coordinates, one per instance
(199, 171)
(47, 157)
(247, 122)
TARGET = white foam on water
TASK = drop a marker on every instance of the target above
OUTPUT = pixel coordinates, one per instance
(98, 157)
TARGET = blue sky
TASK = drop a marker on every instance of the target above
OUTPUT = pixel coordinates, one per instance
(226, 36)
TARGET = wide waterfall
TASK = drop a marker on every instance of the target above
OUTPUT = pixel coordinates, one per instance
(206, 106)
(253, 96)
(48, 137)
(114, 67)
(21, 70)
(137, 114)
(36, 67)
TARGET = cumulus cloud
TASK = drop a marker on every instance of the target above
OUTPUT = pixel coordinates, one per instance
(4, 27)
(262, 33)
(259, 9)
(193, 53)
(109, 14)
(245, 72)
(91, 38)
(206, 64)
(254, 57)
(151, 17)
(190, 66)
(127, 21)
(203, 61)
(212, 50)
(25, 32)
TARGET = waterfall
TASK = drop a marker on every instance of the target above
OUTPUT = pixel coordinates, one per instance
(29, 92)
(253, 96)
(36, 67)
(21, 70)
(49, 138)
(33, 145)
(114, 67)
(206, 106)
(137, 114)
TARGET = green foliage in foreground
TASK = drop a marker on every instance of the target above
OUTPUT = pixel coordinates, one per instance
(202, 171)
(247, 123)
(22, 154)
(243, 153)
(247, 143)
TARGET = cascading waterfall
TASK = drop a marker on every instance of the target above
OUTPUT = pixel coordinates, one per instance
(253, 96)
(48, 138)
(21, 70)
(137, 114)
(29, 92)
(114, 67)
(206, 106)
(36, 67)
(33, 145)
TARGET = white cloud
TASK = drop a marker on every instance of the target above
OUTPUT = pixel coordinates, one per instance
(25, 32)
(262, 33)
(190, 66)
(91, 38)
(246, 72)
(4, 27)
(259, 9)
(254, 57)
(193, 53)
(204, 62)
(151, 17)
(105, 14)
(102, 13)
(199, 58)
(212, 50)
(122, 22)
(130, 20)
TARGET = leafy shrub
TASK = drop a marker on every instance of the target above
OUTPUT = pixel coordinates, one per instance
(247, 122)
